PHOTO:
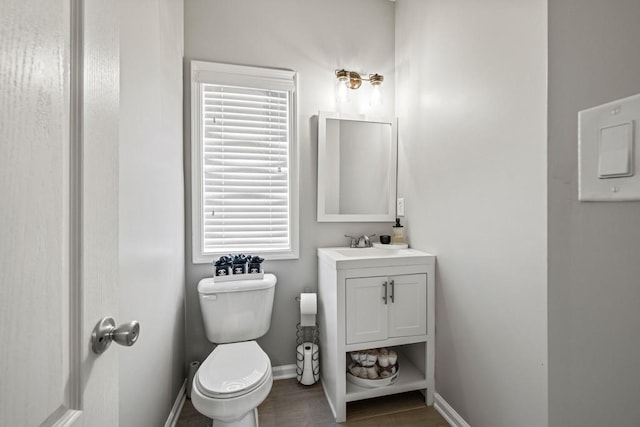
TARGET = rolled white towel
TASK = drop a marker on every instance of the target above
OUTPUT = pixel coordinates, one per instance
(362, 356)
(372, 357)
(372, 373)
(385, 374)
(393, 357)
(383, 359)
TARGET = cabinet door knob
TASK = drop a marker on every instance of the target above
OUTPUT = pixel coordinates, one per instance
(384, 298)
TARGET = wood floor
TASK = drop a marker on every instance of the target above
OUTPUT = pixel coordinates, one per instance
(293, 405)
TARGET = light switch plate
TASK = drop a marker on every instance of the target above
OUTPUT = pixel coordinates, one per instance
(400, 207)
(608, 152)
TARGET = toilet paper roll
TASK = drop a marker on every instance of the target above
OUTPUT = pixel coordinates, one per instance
(308, 364)
(308, 309)
(193, 367)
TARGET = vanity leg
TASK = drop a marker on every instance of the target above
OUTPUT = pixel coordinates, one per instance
(341, 413)
(429, 397)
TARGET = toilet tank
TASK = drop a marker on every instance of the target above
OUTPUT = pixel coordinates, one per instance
(236, 310)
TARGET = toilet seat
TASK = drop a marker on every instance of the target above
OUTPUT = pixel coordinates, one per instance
(232, 370)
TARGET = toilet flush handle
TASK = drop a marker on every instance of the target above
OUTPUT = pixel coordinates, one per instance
(106, 331)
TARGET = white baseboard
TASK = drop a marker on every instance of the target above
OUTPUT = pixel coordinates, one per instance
(283, 372)
(333, 409)
(172, 420)
(448, 413)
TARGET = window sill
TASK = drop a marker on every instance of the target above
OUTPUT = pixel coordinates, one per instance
(268, 256)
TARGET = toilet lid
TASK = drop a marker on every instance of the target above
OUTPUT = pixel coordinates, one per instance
(233, 369)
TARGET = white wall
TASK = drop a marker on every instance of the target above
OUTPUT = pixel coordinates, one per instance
(314, 38)
(594, 285)
(471, 102)
(151, 209)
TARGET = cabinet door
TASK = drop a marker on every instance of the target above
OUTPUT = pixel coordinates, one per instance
(366, 309)
(408, 307)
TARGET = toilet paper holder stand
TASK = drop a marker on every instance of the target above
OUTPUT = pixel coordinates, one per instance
(307, 371)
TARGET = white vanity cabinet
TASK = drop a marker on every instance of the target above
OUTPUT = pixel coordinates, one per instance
(371, 298)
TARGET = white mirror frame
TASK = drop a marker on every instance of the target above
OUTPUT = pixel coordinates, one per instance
(323, 216)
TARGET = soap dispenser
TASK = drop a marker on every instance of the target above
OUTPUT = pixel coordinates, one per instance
(398, 233)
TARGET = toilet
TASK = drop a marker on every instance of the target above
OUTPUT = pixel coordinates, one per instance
(236, 377)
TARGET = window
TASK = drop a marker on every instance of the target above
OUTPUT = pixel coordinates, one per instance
(244, 161)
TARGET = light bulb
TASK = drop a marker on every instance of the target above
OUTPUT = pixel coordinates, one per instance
(342, 91)
(376, 96)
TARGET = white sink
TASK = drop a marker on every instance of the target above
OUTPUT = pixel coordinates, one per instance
(372, 257)
(365, 252)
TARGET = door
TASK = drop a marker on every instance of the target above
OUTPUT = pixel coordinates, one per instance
(58, 210)
(408, 309)
(366, 309)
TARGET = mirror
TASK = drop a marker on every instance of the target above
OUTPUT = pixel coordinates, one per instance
(357, 160)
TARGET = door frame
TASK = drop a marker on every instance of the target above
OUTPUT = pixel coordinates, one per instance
(93, 209)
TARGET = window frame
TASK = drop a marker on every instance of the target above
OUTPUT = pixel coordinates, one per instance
(228, 74)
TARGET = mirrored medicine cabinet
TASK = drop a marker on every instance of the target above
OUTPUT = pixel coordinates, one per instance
(357, 162)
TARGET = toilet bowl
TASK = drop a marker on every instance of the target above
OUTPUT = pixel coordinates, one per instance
(230, 384)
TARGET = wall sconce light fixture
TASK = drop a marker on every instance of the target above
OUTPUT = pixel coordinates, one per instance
(352, 80)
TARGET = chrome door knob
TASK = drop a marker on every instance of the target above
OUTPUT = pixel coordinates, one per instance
(105, 332)
(126, 334)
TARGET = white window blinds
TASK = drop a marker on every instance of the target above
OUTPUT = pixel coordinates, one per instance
(245, 161)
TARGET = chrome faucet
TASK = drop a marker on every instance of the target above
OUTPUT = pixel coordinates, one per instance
(363, 241)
